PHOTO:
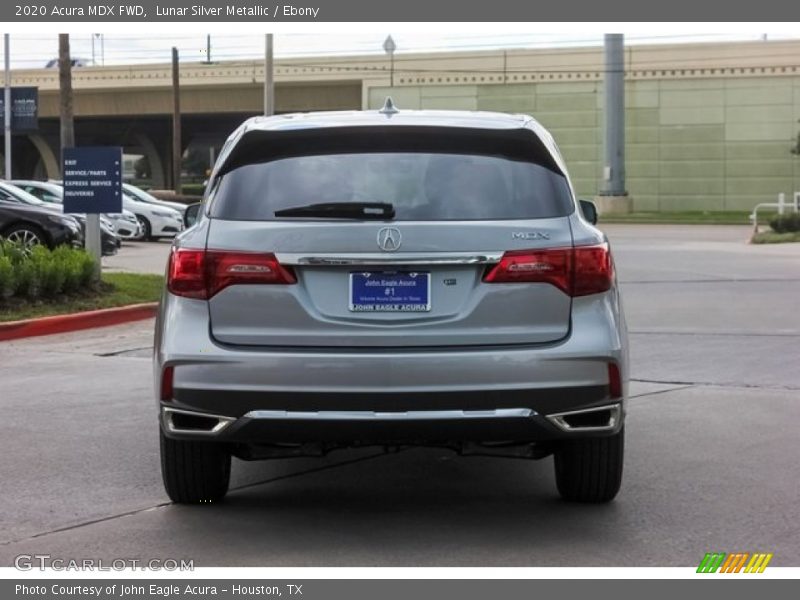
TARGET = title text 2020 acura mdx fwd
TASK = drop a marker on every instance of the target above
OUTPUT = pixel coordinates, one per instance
(391, 277)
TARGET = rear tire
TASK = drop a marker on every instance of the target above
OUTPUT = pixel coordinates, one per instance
(194, 472)
(590, 469)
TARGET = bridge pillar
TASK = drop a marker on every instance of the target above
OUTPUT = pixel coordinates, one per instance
(149, 149)
(49, 158)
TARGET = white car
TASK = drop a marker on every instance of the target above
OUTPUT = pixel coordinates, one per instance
(142, 196)
(125, 224)
(156, 221)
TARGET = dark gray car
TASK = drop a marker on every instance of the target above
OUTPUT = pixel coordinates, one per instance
(391, 278)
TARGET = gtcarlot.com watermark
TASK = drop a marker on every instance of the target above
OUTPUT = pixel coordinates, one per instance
(30, 562)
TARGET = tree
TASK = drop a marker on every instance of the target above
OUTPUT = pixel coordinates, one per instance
(65, 92)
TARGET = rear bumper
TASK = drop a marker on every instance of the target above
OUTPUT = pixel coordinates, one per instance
(237, 403)
(250, 386)
(518, 425)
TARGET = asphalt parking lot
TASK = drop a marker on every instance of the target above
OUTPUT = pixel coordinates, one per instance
(711, 463)
(139, 257)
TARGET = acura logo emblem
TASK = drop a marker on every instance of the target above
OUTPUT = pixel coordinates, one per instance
(389, 239)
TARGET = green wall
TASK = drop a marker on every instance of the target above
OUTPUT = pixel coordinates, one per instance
(699, 144)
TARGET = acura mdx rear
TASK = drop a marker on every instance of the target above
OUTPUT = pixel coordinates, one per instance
(391, 278)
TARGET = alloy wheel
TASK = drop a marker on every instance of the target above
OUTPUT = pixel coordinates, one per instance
(24, 237)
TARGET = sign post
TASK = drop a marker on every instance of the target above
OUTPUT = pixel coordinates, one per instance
(93, 185)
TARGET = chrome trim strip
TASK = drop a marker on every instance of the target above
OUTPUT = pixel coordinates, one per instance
(403, 258)
(368, 415)
(166, 415)
(615, 413)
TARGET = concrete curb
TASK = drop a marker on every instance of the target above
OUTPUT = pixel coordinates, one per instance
(13, 330)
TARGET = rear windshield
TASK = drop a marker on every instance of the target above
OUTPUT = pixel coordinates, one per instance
(420, 186)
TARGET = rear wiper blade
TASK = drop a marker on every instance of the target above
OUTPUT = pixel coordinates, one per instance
(341, 210)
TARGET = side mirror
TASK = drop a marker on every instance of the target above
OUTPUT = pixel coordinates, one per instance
(589, 211)
(192, 213)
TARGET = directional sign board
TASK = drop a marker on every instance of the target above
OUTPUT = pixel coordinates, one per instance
(93, 179)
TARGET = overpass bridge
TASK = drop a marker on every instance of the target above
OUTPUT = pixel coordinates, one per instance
(708, 124)
(131, 106)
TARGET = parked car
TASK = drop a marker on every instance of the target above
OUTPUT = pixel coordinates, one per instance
(391, 278)
(143, 196)
(125, 224)
(30, 225)
(109, 241)
(156, 221)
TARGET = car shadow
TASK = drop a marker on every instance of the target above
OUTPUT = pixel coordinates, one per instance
(418, 507)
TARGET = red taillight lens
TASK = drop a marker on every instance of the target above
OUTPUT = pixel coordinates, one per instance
(235, 268)
(614, 381)
(576, 271)
(594, 270)
(533, 266)
(186, 273)
(167, 377)
(204, 273)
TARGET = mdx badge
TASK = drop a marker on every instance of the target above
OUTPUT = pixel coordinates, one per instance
(530, 235)
(389, 239)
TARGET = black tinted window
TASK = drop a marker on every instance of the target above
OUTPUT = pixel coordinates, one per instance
(421, 186)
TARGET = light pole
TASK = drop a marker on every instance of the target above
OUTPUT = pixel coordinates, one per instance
(614, 115)
(97, 37)
(177, 147)
(613, 195)
(389, 47)
(269, 78)
(7, 108)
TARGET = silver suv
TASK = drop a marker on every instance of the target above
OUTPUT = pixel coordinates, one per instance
(391, 278)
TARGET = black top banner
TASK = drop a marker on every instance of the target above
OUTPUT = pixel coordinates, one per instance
(24, 109)
(224, 11)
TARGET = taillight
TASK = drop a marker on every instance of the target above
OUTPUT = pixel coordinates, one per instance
(186, 273)
(204, 273)
(593, 270)
(614, 381)
(167, 377)
(578, 271)
(534, 266)
(235, 268)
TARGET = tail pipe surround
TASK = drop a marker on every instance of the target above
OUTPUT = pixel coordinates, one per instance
(598, 418)
(189, 422)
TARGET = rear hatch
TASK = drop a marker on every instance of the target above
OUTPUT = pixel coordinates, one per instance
(390, 237)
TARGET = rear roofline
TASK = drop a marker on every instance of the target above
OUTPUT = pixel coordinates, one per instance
(259, 146)
(289, 127)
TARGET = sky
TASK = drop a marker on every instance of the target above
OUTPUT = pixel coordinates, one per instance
(35, 50)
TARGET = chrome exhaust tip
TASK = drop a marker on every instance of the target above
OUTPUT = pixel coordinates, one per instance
(598, 418)
(195, 423)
